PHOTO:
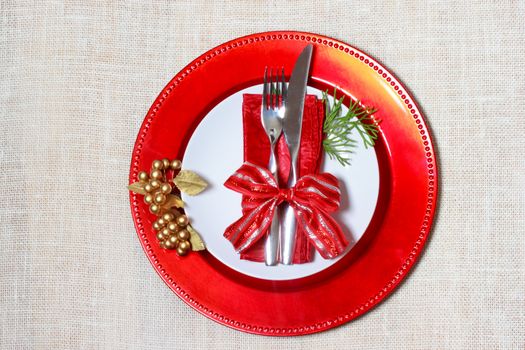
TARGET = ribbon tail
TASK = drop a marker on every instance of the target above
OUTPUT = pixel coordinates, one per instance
(321, 230)
(252, 226)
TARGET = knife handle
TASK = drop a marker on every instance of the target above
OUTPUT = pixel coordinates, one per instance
(271, 246)
(289, 222)
(289, 226)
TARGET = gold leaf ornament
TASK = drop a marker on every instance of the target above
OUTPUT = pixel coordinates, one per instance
(137, 187)
(189, 182)
(195, 239)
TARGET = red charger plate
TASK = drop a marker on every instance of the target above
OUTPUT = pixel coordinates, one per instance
(392, 242)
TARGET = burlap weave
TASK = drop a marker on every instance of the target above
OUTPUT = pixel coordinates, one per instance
(76, 79)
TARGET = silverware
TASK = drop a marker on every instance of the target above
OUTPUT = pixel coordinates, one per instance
(292, 124)
(272, 113)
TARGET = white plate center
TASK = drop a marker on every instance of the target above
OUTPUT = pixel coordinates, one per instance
(215, 151)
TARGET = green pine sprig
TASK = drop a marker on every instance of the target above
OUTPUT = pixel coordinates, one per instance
(338, 127)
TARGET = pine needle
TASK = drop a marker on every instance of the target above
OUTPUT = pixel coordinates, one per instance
(338, 127)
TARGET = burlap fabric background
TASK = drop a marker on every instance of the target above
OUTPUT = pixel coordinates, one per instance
(76, 80)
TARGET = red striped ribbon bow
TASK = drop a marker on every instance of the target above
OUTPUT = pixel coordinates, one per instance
(312, 198)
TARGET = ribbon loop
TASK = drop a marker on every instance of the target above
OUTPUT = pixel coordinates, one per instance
(312, 198)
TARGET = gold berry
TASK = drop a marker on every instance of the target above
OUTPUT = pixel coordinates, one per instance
(165, 232)
(154, 208)
(161, 222)
(173, 227)
(143, 176)
(166, 163)
(154, 184)
(173, 240)
(156, 226)
(148, 188)
(160, 237)
(165, 188)
(183, 235)
(182, 220)
(157, 164)
(148, 199)
(159, 198)
(185, 245)
(168, 244)
(176, 164)
(156, 174)
(168, 217)
(181, 251)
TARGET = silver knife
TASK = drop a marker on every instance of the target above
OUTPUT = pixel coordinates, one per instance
(292, 125)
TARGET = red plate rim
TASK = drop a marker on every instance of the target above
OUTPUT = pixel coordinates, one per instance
(159, 259)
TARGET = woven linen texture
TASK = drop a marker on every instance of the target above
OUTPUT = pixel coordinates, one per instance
(77, 78)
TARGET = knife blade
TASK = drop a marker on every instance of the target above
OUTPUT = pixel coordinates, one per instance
(293, 117)
(292, 127)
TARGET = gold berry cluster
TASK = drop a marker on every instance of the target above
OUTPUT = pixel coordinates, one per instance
(156, 185)
(172, 232)
(160, 189)
(171, 226)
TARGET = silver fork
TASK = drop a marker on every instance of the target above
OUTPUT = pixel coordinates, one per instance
(272, 113)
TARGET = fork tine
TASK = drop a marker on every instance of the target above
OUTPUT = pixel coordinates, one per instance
(272, 89)
(277, 88)
(283, 88)
(265, 89)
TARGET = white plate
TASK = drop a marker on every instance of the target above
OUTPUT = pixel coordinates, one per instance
(215, 151)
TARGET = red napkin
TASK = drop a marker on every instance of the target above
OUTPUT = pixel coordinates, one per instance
(257, 151)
